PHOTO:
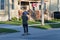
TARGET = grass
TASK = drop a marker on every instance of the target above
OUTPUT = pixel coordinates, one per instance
(42, 27)
(49, 21)
(11, 22)
(55, 25)
(17, 22)
(32, 22)
(47, 26)
(5, 30)
(56, 20)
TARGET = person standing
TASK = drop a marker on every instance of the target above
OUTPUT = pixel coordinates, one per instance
(25, 22)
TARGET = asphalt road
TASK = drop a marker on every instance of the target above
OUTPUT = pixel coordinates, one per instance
(35, 33)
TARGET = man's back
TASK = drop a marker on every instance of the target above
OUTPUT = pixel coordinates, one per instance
(24, 17)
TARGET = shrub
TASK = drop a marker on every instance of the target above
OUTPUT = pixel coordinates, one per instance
(14, 19)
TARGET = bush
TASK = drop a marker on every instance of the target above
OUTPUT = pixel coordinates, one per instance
(14, 19)
(20, 19)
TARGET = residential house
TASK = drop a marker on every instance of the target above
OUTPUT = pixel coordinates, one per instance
(9, 8)
(33, 5)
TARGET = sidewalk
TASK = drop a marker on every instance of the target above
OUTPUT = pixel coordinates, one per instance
(36, 34)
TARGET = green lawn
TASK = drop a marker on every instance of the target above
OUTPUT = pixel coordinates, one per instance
(56, 20)
(5, 30)
(42, 27)
(17, 22)
(11, 22)
(47, 26)
(20, 22)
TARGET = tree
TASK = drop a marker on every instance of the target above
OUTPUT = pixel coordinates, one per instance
(42, 11)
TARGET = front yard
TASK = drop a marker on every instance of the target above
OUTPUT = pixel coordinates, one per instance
(46, 26)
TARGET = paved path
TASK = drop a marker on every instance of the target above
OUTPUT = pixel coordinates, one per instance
(36, 34)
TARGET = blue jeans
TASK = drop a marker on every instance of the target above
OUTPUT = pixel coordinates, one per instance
(25, 27)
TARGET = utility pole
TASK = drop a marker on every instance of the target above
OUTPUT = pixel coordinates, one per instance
(42, 11)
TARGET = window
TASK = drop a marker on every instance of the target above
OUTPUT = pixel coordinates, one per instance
(39, 7)
(12, 4)
(44, 6)
(1, 4)
(24, 3)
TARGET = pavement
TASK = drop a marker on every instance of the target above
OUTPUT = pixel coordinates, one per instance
(35, 33)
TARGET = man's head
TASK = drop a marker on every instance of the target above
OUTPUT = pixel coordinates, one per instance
(24, 8)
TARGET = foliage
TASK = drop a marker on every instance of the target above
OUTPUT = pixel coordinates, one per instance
(14, 19)
(33, 22)
(56, 20)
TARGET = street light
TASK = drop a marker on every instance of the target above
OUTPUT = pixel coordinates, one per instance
(42, 11)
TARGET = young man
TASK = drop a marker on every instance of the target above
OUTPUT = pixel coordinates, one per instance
(25, 22)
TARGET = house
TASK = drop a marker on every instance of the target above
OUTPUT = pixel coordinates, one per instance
(34, 5)
(54, 5)
(9, 8)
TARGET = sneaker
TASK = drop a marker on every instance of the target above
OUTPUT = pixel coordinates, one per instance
(28, 33)
(24, 34)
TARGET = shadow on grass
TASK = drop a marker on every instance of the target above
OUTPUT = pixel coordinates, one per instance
(46, 21)
(49, 21)
(55, 25)
(47, 26)
(5, 30)
(41, 27)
